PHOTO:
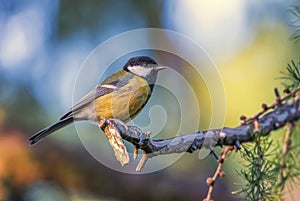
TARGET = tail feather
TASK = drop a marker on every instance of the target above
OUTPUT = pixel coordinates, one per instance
(50, 129)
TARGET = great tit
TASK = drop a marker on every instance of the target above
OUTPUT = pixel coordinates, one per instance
(122, 96)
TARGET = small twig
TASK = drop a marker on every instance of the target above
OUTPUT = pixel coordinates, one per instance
(142, 162)
(258, 165)
(256, 126)
(214, 154)
(265, 107)
(218, 173)
(285, 150)
(278, 99)
(287, 142)
(237, 145)
(135, 152)
(259, 152)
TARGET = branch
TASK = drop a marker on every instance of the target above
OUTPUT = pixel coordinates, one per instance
(284, 111)
(279, 117)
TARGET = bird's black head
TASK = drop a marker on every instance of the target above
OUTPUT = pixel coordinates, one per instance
(143, 66)
(140, 61)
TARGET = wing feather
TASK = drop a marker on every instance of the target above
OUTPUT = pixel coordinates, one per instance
(106, 87)
(87, 99)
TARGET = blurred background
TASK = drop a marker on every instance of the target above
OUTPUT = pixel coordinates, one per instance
(42, 47)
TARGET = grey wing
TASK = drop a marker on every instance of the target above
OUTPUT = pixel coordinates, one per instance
(87, 99)
(106, 87)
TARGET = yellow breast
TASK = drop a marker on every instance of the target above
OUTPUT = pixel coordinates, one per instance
(124, 103)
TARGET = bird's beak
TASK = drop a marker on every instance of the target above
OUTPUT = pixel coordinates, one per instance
(158, 68)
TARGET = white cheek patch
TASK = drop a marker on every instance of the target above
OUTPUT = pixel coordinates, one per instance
(140, 70)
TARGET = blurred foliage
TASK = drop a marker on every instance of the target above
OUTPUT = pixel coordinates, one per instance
(296, 23)
(291, 78)
(250, 77)
(259, 171)
(106, 14)
(269, 166)
(18, 168)
(19, 108)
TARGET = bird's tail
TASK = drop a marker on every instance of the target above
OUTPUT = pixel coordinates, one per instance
(50, 129)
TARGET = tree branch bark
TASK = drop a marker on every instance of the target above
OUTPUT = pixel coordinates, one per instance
(282, 114)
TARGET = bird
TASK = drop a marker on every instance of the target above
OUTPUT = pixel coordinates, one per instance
(121, 96)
